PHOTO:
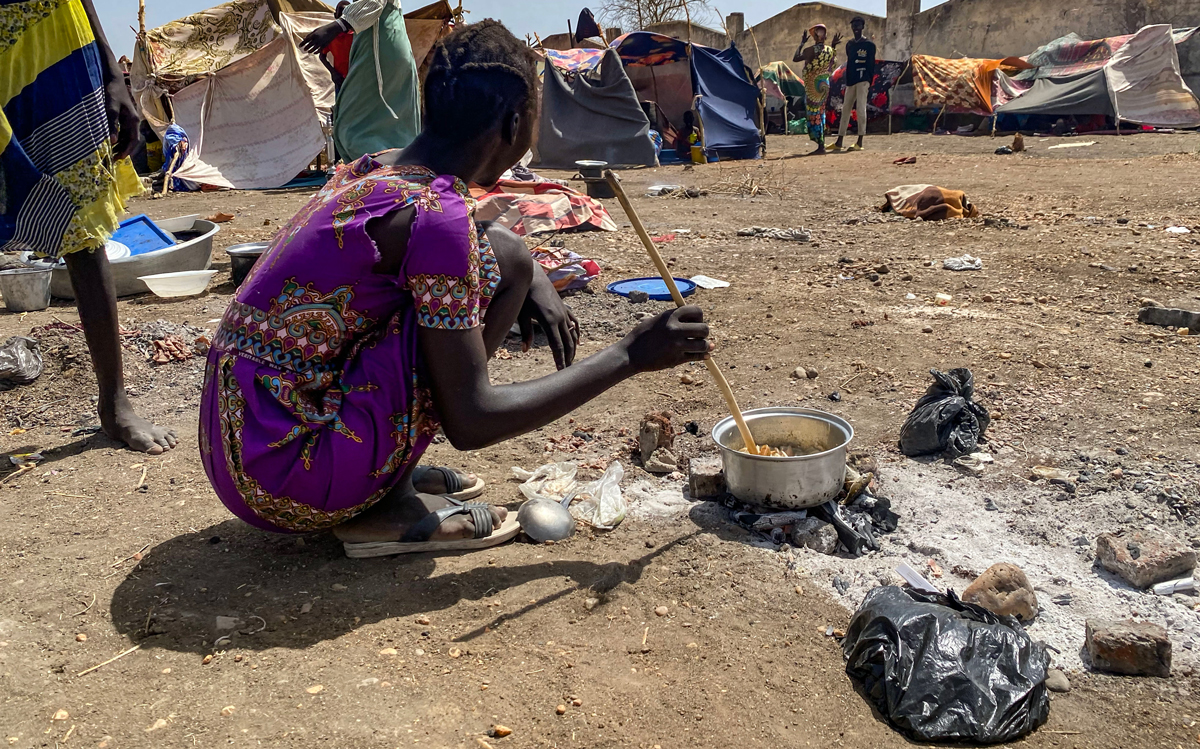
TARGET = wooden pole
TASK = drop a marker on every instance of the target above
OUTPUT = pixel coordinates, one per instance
(170, 172)
(665, 272)
(141, 17)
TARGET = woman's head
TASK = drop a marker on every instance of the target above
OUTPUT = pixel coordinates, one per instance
(818, 33)
(482, 83)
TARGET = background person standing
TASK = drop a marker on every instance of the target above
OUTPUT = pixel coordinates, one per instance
(860, 71)
(378, 104)
(818, 64)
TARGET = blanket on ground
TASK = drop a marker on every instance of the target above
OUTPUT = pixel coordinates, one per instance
(928, 202)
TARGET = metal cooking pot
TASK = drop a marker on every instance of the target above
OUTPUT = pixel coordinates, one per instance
(791, 483)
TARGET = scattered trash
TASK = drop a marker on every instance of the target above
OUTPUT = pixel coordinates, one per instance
(910, 297)
(705, 282)
(1183, 585)
(905, 646)
(788, 235)
(1072, 145)
(905, 160)
(1169, 317)
(598, 503)
(1178, 230)
(974, 462)
(915, 579)
(656, 191)
(1052, 475)
(172, 348)
(966, 262)
(945, 419)
(568, 271)
(942, 299)
(219, 218)
(20, 362)
(1004, 150)
(663, 238)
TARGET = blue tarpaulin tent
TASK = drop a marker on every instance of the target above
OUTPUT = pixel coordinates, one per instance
(716, 83)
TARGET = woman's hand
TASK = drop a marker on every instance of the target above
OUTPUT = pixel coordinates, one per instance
(804, 39)
(321, 37)
(124, 122)
(668, 340)
(558, 322)
(837, 39)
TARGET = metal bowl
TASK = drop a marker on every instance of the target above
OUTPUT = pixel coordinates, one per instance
(790, 483)
(242, 258)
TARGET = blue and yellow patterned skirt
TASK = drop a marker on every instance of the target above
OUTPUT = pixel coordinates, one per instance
(61, 191)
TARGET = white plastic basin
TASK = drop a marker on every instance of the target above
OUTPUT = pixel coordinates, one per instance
(181, 283)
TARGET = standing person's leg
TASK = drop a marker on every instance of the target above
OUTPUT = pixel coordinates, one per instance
(97, 302)
(847, 108)
(864, 91)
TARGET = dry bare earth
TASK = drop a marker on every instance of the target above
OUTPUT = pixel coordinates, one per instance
(508, 636)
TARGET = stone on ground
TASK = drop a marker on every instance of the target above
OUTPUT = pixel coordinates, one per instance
(706, 477)
(1057, 681)
(815, 534)
(1129, 647)
(662, 460)
(1143, 559)
(1005, 590)
(654, 432)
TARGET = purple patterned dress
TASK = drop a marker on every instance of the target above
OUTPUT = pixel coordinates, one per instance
(313, 404)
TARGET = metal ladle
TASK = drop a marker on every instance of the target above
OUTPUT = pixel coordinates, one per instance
(547, 520)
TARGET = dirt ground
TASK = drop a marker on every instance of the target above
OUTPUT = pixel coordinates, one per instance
(310, 648)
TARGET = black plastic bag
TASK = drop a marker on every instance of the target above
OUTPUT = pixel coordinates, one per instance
(943, 670)
(945, 419)
(20, 362)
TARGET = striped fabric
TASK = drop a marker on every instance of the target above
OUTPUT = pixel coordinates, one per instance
(63, 192)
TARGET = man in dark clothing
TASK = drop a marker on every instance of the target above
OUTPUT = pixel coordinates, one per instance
(860, 71)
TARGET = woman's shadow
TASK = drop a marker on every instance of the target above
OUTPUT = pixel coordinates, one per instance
(230, 585)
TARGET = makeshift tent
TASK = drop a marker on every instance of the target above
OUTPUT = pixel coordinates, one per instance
(779, 81)
(886, 74)
(1134, 78)
(594, 115)
(253, 105)
(679, 76)
(962, 85)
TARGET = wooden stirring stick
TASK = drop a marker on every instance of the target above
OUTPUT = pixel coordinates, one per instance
(665, 272)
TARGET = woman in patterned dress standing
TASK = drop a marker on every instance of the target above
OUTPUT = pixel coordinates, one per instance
(818, 64)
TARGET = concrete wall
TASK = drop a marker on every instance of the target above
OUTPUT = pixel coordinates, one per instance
(699, 34)
(779, 36)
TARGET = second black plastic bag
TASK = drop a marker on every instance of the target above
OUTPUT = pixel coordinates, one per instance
(942, 670)
(945, 419)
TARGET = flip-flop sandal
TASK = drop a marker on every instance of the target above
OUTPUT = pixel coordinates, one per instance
(416, 539)
(455, 489)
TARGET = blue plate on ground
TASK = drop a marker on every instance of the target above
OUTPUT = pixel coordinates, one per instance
(141, 235)
(654, 286)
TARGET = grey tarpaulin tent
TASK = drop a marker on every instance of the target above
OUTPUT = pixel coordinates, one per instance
(594, 115)
(1081, 94)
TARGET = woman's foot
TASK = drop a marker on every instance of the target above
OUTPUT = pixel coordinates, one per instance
(138, 433)
(819, 152)
(426, 480)
(391, 518)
